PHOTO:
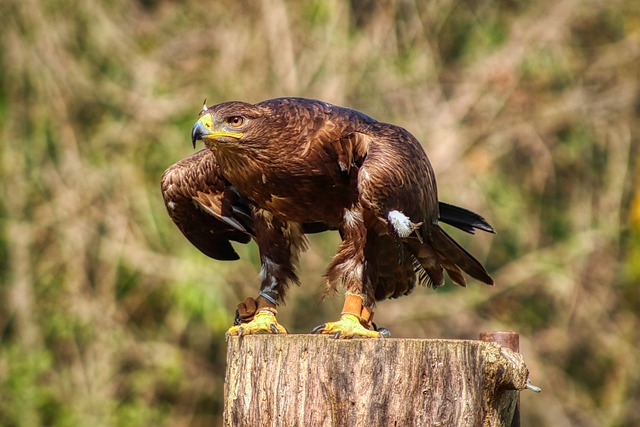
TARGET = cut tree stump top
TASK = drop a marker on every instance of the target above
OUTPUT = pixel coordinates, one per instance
(311, 380)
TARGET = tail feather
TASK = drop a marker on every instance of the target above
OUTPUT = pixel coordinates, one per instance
(436, 277)
(451, 253)
(429, 274)
(456, 275)
(463, 219)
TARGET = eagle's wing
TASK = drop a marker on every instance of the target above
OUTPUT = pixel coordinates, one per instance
(397, 184)
(207, 209)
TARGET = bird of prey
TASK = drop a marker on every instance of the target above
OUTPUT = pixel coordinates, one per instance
(279, 169)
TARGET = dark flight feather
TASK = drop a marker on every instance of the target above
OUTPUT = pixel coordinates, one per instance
(463, 219)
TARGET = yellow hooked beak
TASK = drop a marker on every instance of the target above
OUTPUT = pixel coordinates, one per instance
(203, 129)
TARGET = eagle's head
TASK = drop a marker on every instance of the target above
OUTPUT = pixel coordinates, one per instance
(227, 123)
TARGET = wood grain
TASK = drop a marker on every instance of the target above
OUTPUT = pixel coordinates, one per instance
(309, 380)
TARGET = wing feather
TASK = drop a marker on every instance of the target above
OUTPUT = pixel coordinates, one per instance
(206, 209)
(397, 184)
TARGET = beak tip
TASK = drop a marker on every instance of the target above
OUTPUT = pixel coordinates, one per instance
(196, 133)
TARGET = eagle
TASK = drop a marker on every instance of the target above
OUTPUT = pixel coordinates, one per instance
(277, 170)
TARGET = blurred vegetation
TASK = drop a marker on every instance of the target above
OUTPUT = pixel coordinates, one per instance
(530, 113)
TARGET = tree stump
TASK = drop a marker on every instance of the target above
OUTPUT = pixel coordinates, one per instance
(311, 380)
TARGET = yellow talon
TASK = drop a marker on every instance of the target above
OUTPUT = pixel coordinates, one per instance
(264, 322)
(348, 326)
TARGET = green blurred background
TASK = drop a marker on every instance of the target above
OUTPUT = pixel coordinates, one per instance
(529, 112)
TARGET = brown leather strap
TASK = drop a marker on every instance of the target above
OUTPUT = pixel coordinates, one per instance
(262, 302)
(353, 305)
(246, 310)
(366, 316)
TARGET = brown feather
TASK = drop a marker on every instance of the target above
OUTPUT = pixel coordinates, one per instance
(196, 198)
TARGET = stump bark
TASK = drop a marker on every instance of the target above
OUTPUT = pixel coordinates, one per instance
(310, 380)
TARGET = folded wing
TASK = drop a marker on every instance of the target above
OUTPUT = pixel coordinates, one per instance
(207, 209)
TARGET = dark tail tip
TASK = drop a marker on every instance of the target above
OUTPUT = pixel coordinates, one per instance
(455, 254)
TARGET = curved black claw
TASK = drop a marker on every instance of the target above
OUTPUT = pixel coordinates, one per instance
(318, 329)
(384, 332)
(274, 328)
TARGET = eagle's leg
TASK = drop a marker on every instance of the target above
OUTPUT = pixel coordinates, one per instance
(355, 321)
(256, 316)
(348, 267)
(280, 243)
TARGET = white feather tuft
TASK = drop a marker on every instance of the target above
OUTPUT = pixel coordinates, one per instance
(401, 223)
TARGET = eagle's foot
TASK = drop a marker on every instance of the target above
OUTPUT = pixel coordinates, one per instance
(264, 322)
(349, 326)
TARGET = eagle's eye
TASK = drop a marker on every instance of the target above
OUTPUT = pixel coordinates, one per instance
(235, 121)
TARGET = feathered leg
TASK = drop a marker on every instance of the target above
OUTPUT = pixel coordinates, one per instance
(280, 244)
(347, 267)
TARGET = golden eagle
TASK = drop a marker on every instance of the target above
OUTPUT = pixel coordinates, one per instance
(281, 168)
